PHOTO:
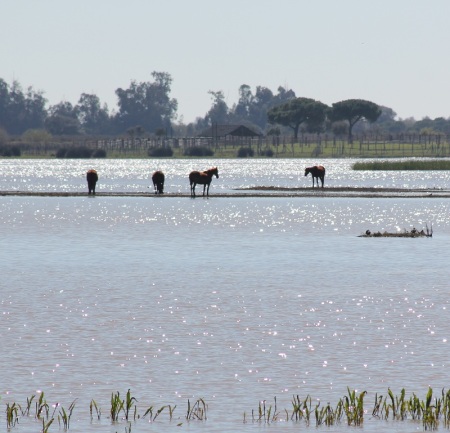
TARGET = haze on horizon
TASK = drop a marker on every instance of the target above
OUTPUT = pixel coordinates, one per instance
(390, 52)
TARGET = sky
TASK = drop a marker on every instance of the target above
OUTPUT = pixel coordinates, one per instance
(391, 52)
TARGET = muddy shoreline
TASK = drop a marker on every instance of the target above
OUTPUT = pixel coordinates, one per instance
(262, 191)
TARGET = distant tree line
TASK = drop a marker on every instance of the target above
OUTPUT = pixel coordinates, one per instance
(147, 109)
(143, 107)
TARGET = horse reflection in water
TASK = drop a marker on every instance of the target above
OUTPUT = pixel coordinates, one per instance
(317, 172)
(158, 182)
(202, 178)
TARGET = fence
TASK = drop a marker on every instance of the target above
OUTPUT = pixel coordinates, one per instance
(306, 145)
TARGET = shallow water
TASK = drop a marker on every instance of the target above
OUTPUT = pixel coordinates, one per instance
(133, 175)
(234, 300)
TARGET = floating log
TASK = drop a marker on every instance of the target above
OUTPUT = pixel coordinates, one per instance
(414, 233)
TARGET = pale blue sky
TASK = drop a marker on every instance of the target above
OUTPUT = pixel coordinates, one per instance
(392, 52)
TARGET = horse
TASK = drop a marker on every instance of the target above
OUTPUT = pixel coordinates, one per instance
(92, 178)
(203, 178)
(158, 182)
(317, 172)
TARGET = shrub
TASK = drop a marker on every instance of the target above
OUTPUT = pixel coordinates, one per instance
(10, 151)
(268, 153)
(160, 151)
(74, 152)
(36, 136)
(199, 151)
(99, 153)
(61, 152)
(244, 152)
(4, 138)
(78, 152)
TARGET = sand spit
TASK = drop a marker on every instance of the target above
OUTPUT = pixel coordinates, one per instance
(262, 191)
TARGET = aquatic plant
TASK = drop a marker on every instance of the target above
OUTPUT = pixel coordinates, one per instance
(117, 405)
(354, 407)
(26, 411)
(197, 411)
(46, 425)
(266, 415)
(150, 411)
(129, 403)
(301, 410)
(430, 412)
(64, 416)
(42, 408)
(403, 165)
(12, 415)
(92, 406)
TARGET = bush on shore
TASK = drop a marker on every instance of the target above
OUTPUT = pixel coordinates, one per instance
(198, 151)
(157, 152)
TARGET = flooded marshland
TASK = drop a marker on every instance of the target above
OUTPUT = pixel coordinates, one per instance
(234, 300)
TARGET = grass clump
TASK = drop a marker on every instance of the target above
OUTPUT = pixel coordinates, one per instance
(402, 165)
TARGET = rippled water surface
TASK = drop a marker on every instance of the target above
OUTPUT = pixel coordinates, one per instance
(234, 300)
(134, 175)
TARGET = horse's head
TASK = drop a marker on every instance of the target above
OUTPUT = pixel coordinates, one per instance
(215, 172)
(307, 170)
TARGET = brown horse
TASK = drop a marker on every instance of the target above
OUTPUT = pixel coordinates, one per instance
(92, 178)
(158, 182)
(317, 172)
(203, 178)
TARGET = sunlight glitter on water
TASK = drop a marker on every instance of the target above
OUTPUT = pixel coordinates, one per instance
(134, 175)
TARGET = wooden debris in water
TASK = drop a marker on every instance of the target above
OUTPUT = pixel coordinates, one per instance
(414, 233)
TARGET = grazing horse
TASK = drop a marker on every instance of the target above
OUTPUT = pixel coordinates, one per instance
(203, 178)
(158, 182)
(92, 178)
(317, 172)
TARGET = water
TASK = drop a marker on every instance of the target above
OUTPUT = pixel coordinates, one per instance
(234, 300)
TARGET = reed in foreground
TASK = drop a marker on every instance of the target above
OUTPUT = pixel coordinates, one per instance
(431, 412)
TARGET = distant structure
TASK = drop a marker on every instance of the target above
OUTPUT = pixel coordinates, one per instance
(228, 131)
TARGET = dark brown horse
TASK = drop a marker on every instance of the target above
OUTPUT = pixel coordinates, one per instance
(158, 182)
(203, 178)
(92, 178)
(317, 172)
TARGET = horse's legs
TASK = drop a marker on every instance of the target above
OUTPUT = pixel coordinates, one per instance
(204, 187)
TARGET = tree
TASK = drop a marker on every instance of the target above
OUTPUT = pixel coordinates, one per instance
(16, 116)
(4, 96)
(94, 118)
(147, 104)
(35, 111)
(242, 109)
(298, 111)
(19, 111)
(257, 106)
(218, 113)
(63, 119)
(354, 110)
